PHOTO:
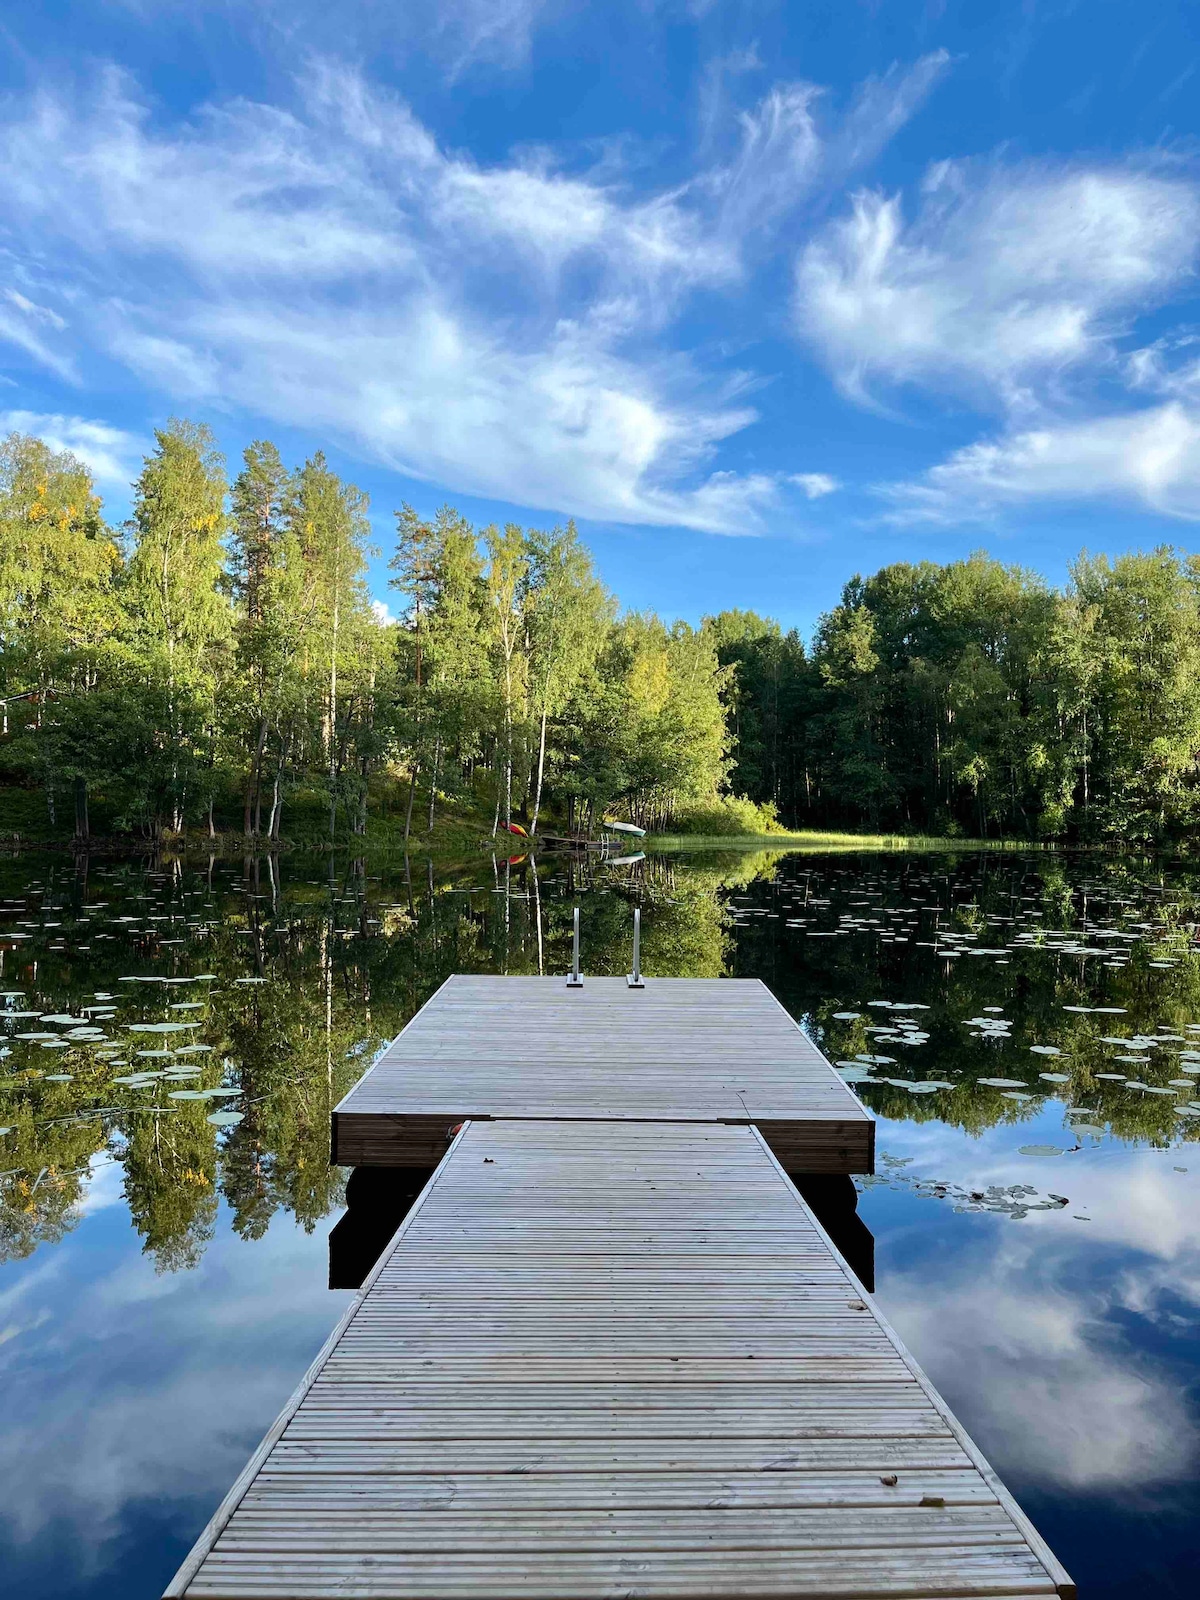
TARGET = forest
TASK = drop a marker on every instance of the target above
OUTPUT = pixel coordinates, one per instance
(216, 665)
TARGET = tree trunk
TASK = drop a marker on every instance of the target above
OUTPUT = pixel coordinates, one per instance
(212, 831)
(276, 808)
(333, 714)
(258, 783)
(360, 819)
(508, 736)
(541, 767)
(82, 832)
(412, 790)
(437, 753)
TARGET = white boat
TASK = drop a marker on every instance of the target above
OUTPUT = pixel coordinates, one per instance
(626, 827)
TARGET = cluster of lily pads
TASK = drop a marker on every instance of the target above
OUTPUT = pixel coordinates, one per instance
(1015, 1200)
(169, 1058)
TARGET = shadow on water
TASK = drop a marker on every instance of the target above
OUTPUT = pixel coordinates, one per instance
(378, 1200)
(833, 1200)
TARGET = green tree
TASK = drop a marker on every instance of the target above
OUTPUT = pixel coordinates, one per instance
(262, 608)
(506, 584)
(180, 618)
(569, 612)
(60, 607)
(1145, 739)
(328, 519)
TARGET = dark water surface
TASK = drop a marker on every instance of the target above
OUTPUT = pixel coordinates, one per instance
(176, 1037)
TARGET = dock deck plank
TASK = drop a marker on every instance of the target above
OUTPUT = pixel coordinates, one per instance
(616, 1367)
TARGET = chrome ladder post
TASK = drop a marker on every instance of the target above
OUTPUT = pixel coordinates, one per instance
(634, 978)
(574, 981)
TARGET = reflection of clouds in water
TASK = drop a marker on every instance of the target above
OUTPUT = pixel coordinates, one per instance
(170, 1394)
(1133, 1197)
(104, 1186)
(1021, 1343)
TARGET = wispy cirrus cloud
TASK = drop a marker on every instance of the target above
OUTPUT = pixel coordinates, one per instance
(1015, 289)
(111, 453)
(1005, 279)
(457, 34)
(1146, 459)
(506, 330)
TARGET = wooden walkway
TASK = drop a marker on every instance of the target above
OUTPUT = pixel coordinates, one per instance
(679, 1050)
(600, 1368)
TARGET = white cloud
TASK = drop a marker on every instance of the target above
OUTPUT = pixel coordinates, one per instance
(1006, 278)
(338, 270)
(1169, 366)
(498, 31)
(1148, 459)
(456, 33)
(24, 324)
(501, 330)
(383, 614)
(814, 484)
(35, 312)
(880, 109)
(1014, 288)
(111, 453)
(788, 152)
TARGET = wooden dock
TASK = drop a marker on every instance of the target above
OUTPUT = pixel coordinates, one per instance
(619, 1363)
(679, 1050)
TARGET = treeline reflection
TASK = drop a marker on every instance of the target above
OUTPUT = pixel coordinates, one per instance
(285, 976)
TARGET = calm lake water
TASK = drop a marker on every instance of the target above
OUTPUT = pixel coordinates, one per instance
(1026, 1028)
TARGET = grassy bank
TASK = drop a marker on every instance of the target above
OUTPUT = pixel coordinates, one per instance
(460, 834)
(830, 841)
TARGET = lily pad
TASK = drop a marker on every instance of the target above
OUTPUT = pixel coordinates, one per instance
(224, 1119)
(160, 1027)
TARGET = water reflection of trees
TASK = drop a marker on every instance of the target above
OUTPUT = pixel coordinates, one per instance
(345, 958)
(1033, 991)
(348, 952)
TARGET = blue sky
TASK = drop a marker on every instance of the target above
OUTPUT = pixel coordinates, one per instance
(762, 294)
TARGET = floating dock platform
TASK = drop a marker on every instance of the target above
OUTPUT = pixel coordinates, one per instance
(610, 1353)
(680, 1050)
